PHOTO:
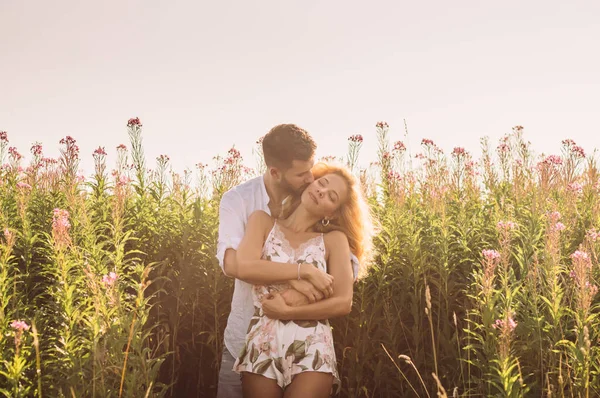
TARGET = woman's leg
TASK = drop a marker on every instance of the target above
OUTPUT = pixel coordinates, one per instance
(310, 384)
(255, 385)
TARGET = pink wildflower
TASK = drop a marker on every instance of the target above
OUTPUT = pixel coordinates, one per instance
(356, 138)
(459, 151)
(134, 122)
(19, 325)
(399, 146)
(109, 279)
(578, 151)
(502, 324)
(3, 137)
(49, 161)
(100, 151)
(490, 255)
(36, 149)
(234, 153)
(382, 125)
(427, 142)
(553, 160)
(572, 274)
(123, 180)
(394, 176)
(559, 227)
(23, 185)
(503, 148)
(122, 147)
(554, 216)
(506, 225)
(580, 255)
(575, 187)
(60, 227)
(68, 140)
(328, 158)
(592, 235)
(12, 152)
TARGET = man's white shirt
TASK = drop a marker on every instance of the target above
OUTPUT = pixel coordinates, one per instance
(236, 206)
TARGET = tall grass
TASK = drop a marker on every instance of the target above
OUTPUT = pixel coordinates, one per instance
(484, 282)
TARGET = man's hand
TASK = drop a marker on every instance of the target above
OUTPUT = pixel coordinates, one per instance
(294, 298)
(307, 289)
(275, 307)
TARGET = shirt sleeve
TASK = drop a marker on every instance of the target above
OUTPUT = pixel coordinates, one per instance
(355, 265)
(231, 224)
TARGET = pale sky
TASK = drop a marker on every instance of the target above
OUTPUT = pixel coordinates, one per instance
(203, 76)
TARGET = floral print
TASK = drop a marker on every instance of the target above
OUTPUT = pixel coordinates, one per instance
(280, 349)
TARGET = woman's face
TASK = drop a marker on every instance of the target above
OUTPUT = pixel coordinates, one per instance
(324, 195)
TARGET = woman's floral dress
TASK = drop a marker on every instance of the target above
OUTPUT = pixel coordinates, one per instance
(281, 349)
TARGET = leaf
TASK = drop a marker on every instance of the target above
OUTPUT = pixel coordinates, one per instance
(306, 324)
(254, 353)
(244, 353)
(297, 349)
(278, 365)
(262, 366)
(317, 361)
(253, 322)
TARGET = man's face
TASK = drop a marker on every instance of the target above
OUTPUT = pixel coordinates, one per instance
(297, 177)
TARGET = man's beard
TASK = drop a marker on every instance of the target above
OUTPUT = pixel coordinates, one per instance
(287, 187)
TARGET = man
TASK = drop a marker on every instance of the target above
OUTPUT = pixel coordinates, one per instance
(289, 156)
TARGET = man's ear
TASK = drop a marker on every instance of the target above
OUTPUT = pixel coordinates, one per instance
(275, 173)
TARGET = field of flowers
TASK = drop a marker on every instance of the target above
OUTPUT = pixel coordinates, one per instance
(484, 281)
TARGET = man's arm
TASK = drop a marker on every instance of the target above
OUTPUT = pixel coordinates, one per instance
(231, 231)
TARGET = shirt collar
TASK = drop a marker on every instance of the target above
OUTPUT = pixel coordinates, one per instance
(265, 194)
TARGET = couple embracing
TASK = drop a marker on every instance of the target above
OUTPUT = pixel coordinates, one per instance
(294, 240)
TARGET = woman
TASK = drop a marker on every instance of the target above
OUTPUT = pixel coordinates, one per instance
(289, 350)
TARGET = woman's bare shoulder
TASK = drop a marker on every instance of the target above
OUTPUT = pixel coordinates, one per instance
(335, 238)
(260, 220)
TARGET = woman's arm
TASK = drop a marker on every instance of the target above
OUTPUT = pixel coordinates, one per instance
(339, 304)
(250, 266)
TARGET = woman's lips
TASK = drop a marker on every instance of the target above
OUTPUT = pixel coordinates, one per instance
(313, 197)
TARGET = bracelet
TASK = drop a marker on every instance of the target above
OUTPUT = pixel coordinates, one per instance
(299, 264)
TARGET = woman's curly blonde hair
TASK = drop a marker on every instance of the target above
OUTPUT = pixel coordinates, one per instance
(353, 217)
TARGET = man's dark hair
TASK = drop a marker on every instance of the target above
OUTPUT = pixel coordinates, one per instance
(286, 143)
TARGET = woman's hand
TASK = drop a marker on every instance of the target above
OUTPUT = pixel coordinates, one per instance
(306, 288)
(274, 306)
(322, 281)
